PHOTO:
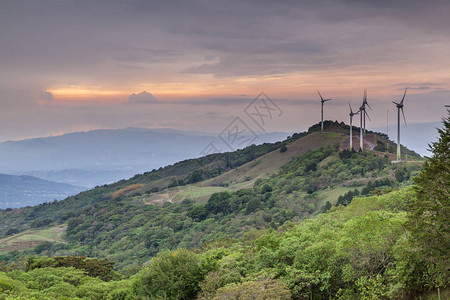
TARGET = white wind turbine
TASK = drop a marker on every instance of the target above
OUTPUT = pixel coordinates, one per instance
(363, 114)
(399, 107)
(322, 102)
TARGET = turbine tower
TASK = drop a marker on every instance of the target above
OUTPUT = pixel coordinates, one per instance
(351, 125)
(365, 103)
(399, 107)
(322, 102)
(363, 114)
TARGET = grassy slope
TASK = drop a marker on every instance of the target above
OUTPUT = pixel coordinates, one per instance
(245, 175)
(331, 194)
(270, 163)
(33, 237)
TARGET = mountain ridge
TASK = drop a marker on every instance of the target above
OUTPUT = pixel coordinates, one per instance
(24, 190)
(105, 155)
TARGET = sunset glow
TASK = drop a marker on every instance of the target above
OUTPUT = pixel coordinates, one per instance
(177, 62)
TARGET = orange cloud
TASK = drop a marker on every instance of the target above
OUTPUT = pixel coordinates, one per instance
(87, 94)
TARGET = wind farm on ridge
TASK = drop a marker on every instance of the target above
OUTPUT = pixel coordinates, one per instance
(362, 128)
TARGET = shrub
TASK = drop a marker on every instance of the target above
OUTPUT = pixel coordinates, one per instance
(170, 275)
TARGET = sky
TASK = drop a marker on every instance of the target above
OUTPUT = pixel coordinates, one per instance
(69, 65)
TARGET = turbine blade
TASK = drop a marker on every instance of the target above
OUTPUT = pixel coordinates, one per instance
(395, 103)
(401, 102)
(404, 119)
(325, 100)
(367, 116)
(368, 105)
(321, 98)
(351, 111)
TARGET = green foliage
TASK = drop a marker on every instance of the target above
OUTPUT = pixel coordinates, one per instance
(198, 213)
(102, 269)
(430, 212)
(128, 231)
(361, 251)
(372, 185)
(402, 174)
(326, 207)
(195, 176)
(219, 203)
(171, 275)
(12, 231)
(60, 283)
(347, 197)
(255, 242)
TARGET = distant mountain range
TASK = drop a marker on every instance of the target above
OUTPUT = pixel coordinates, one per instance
(103, 156)
(18, 191)
(415, 136)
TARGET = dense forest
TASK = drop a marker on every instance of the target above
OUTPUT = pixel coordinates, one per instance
(278, 237)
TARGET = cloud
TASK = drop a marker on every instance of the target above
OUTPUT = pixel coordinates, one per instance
(419, 83)
(415, 88)
(419, 86)
(46, 96)
(142, 97)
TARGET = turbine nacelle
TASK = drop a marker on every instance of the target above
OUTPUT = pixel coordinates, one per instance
(351, 111)
(321, 98)
(365, 100)
(363, 107)
(400, 106)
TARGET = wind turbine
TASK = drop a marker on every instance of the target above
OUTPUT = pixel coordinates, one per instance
(365, 103)
(363, 114)
(351, 125)
(322, 101)
(399, 107)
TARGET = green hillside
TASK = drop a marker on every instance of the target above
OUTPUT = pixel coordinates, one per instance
(361, 251)
(279, 218)
(203, 200)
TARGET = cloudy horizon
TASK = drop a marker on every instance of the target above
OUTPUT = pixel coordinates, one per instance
(81, 65)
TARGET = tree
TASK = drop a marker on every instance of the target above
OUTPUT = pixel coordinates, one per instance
(101, 268)
(195, 176)
(326, 207)
(429, 212)
(171, 275)
(219, 203)
(198, 213)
